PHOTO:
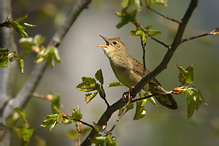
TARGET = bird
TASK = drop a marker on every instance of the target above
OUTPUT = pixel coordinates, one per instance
(129, 71)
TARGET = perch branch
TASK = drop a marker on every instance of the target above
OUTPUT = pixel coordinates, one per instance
(120, 103)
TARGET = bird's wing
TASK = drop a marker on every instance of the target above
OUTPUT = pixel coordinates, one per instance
(138, 68)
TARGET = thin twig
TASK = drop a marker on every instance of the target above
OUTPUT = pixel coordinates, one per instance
(146, 97)
(164, 16)
(85, 123)
(195, 37)
(123, 113)
(143, 57)
(137, 23)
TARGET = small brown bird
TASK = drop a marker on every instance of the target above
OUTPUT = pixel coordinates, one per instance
(129, 71)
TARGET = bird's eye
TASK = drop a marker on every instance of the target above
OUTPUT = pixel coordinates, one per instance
(114, 43)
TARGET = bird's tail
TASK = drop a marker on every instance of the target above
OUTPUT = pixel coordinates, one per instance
(162, 96)
(167, 100)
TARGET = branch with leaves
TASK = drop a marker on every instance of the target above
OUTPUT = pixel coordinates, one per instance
(25, 93)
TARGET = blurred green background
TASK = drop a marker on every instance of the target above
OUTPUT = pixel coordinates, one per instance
(80, 57)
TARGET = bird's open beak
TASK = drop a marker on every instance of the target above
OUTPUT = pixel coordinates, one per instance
(106, 40)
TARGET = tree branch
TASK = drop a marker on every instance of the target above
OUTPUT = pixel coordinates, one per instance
(7, 75)
(104, 119)
(170, 52)
(120, 103)
(25, 93)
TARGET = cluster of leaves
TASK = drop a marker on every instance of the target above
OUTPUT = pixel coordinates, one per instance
(138, 3)
(6, 57)
(126, 17)
(144, 33)
(49, 53)
(18, 123)
(92, 86)
(18, 25)
(58, 117)
(103, 137)
(194, 99)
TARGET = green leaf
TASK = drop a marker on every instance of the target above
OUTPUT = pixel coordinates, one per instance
(4, 61)
(56, 101)
(99, 76)
(194, 100)
(159, 2)
(18, 25)
(50, 120)
(88, 84)
(26, 133)
(98, 128)
(56, 110)
(101, 91)
(154, 32)
(56, 55)
(125, 3)
(140, 110)
(185, 75)
(20, 62)
(145, 94)
(138, 4)
(191, 107)
(130, 106)
(125, 17)
(90, 96)
(50, 53)
(115, 84)
(26, 42)
(38, 40)
(21, 113)
(76, 114)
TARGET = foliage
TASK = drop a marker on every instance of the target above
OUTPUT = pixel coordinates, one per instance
(20, 128)
(18, 25)
(49, 53)
(194, 99)
(93, 86)
(6, 57)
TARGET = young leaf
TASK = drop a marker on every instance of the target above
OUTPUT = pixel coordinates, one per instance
(130, 106)
(185, 75)
(18, 25)
(98, 128)
(125, 17)
(76, 114)
(88, 84)
(50, 120)
(50, 53)
(101, 91)
(115, 84)
(99, 76)
(38, 40)
(26, 133)
(21, 113)
(125, 3)
(138, 4)
(90, 96)
(140, 110)
(194, 100)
